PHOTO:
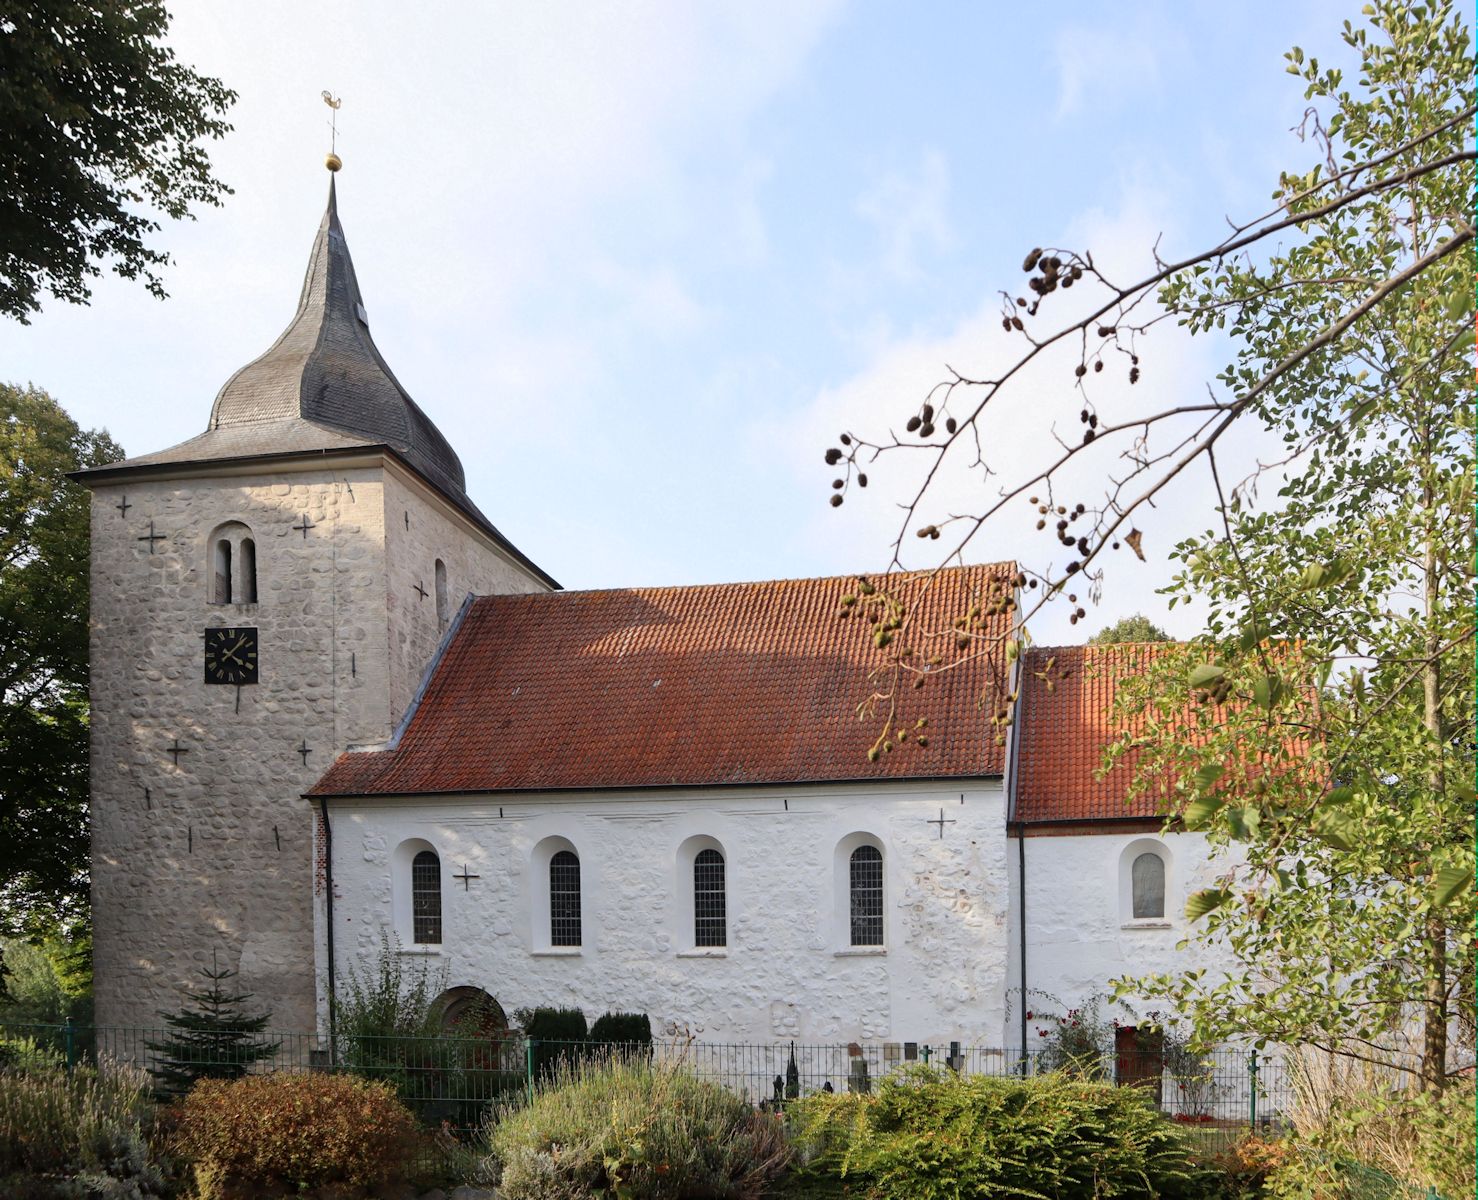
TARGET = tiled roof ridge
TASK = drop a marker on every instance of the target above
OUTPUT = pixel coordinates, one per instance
(1004, 567)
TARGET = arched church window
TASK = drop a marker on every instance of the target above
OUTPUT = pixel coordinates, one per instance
(1147, 879)
(426, 898)
(443, 605)
(564, 899)
(710, 909)
(866, 887)
(233, 565)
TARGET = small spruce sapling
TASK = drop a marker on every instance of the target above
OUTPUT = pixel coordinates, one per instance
(215, 1039)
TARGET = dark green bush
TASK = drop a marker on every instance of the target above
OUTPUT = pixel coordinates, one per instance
(929, 1134)
(623, 1029)
(559, 1036)
(620, 1127)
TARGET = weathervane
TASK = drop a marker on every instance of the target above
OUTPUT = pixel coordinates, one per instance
(333, 162)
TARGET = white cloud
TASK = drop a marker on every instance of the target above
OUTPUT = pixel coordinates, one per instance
(1016, 436)
(910, 213)
(1100, 67)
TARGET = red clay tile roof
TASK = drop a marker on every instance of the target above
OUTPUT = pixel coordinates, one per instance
(1065, 727)
(725, 684)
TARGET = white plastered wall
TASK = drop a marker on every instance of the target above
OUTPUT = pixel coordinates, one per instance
(787, 971)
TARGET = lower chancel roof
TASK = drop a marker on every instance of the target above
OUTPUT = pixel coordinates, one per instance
(744, 683)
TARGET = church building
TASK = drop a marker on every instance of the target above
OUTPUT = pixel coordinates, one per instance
(334, 709)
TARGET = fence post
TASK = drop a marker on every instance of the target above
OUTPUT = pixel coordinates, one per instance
(528, 1067)
(69, 1039)
(924, 1050)
(1252, 1107)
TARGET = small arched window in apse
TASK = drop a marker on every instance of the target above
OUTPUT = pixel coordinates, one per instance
(564, 899)
(710, 915)
(443, 603)
(426, 899)
(1147, 881)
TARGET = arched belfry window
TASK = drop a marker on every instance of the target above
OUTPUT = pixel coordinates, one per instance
(1147, 881)
(710, 906)
(248, 572)
(564, 899)
(233, 565)
(865, 887)
(221, 560)
(443, 603)
(426, 899)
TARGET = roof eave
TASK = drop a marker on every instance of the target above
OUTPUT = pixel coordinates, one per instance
(108, 474)
(585, 789)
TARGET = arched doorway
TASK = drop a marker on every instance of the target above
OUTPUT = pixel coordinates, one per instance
(472, 1012)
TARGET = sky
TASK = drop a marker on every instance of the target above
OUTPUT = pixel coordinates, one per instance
(641, 263)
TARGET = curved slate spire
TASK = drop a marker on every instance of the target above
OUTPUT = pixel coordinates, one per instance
(325, 368)
(322, 387)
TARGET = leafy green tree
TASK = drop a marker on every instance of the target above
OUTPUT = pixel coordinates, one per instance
(1332, 702)
(100, 132)
(1135, 628)
(1341, 612)
(215, 1039)
(44, 520)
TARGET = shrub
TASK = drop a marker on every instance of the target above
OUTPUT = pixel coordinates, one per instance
(27, 1054)
(1361, 1135)
(83, 1133)
(390, 1029)
(616, 1126)
(625, 1029)
(927, 1133)
(273, 1135)
(559, 1036)
(1245, 1167)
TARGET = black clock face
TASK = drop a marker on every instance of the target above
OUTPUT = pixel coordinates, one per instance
(231, 655)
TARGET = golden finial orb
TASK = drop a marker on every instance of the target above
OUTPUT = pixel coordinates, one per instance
(332, 161)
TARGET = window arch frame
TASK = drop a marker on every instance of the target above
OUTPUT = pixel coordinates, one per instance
(1131, 853)
(845, 933)
(683, 930)
(540, 906)
(231, 565)
(403, 895)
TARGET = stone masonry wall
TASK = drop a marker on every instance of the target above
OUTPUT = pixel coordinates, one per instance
(213, 853)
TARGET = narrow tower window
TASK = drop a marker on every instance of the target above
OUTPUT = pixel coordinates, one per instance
(443, 608)
(564, 899)
(710, 917)
(867, 896)
(1147, 878)
(246, 585)
(426, 899)
(221, 590)
(232, 566)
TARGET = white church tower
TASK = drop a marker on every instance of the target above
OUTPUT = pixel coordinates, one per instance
(264, 596)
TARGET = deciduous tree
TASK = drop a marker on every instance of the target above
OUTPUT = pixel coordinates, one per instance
(44, 541)
(100, 135)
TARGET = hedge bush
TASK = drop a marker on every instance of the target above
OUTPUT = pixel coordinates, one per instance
(559, 1036)
(930, 1135)
(621, 1127)
(279, 1135)
(624, 1029)
(87, 1133)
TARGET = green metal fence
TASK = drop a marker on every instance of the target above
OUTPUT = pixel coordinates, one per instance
(452, 1082)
